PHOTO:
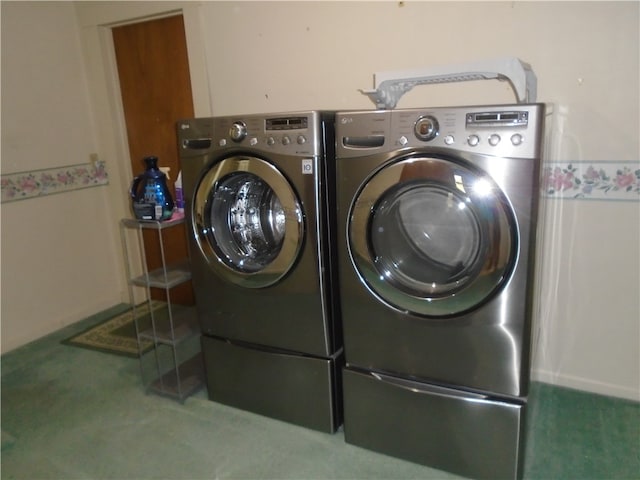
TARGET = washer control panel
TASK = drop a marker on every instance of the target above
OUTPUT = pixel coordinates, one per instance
(501, 130)
(286, 134)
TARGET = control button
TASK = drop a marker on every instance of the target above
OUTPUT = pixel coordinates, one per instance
(301, 140)
(516, 139)
(253, 141)
(271, 141)
(494, 139)
(238, 131)
(473, 140)
(449, 139)
(222, 142)
(286, 140)
(403, 140)
(426, 128)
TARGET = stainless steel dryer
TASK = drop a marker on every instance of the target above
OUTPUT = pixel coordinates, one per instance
(438, 212)
(259, 194)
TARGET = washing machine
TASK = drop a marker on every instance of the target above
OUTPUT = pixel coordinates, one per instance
(260, 207)
(438, 216)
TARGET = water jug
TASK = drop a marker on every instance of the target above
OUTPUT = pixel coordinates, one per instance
(150, 195)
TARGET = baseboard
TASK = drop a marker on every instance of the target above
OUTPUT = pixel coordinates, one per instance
(52, 327)
(580, 383)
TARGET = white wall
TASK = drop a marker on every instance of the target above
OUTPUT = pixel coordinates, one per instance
(58, 251)
(248, 57)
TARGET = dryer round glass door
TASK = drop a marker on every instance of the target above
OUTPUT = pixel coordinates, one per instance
(247, 221)
(432, 236)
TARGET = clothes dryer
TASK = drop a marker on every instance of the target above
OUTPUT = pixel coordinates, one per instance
(260, 206)
(438, 212)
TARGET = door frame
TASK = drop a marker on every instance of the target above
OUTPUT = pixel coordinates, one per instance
(95, 21)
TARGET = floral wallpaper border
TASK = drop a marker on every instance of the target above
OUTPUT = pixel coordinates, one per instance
(563, 180)
(591, 180)
(37, 183)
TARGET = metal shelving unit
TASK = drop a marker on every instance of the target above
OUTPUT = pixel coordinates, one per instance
(174, 366)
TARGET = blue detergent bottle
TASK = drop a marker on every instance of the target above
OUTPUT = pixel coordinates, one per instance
(151, 199)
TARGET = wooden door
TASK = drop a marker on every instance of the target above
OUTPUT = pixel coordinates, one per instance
(155, 85)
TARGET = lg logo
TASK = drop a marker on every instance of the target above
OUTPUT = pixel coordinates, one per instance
(346, 120)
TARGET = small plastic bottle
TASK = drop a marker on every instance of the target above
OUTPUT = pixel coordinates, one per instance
(179, 195)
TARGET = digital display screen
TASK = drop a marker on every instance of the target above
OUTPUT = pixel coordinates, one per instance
(497, 118)
(485, 117)
(288, 123)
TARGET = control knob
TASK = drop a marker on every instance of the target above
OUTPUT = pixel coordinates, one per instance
(473, 140)
(426, 128)
(516, 139)
(238, 131)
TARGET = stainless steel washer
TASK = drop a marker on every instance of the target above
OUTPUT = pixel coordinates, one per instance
(438, 213)
(260, 202)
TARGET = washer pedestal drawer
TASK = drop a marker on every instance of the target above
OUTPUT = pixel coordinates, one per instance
(465, 433)
(303, 390)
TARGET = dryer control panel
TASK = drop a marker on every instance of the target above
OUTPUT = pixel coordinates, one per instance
(511, 131)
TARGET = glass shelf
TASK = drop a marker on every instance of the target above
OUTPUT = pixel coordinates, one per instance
(169, 277)
(183, 381)
(172, 331)
(176, 219)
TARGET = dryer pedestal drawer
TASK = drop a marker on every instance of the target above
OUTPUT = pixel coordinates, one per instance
(298, 389)
(464, 433)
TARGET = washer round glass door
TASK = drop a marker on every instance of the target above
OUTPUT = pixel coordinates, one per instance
(432, 237)
(247, 221)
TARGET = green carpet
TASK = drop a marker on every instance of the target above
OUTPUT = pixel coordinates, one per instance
(76, 414)
(117, 334)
